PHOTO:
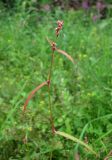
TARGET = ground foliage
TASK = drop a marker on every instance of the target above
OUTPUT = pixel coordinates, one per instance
(76, 4)
(81, 93)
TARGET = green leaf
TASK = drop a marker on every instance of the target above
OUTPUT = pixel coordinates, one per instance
(76, 140)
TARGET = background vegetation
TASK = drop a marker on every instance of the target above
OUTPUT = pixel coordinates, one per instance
(81, 93)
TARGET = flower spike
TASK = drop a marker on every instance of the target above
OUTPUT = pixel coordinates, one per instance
(60, 25)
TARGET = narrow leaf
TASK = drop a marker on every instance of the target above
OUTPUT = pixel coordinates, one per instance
(33, 92)
(60, 51)
(65, 54)
(76, 140)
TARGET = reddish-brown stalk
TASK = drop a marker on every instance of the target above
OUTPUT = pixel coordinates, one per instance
(48, 82)
(49, 78)
(53, 47)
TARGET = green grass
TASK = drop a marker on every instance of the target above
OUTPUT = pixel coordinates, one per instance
(81, 93)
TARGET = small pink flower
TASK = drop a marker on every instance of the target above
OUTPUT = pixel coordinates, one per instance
(100, 5)
(95, 18)
(60, 25)
(85, 4)
(53, 46)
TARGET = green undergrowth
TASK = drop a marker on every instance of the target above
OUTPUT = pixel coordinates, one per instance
(81, 93)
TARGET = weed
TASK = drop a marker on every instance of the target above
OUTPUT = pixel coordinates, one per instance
(48, 83)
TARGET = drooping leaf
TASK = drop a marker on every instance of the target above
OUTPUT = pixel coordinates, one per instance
(76, 140)
(60, 51)
(33, 92)
(65, 54)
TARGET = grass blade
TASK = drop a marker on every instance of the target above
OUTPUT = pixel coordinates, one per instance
(86, 126)
(76, 140)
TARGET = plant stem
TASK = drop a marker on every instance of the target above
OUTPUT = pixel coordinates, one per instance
(51, 66)
(50, 103)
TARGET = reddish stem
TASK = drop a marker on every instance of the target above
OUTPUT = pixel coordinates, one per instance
(50, 104)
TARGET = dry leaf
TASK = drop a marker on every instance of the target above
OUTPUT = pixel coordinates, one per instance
(53, 45)
(65, 54)
(33, 92)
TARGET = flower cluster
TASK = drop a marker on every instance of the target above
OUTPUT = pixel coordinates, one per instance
(60, 24)
(100, 6)
(53, 45)
(85, 4)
